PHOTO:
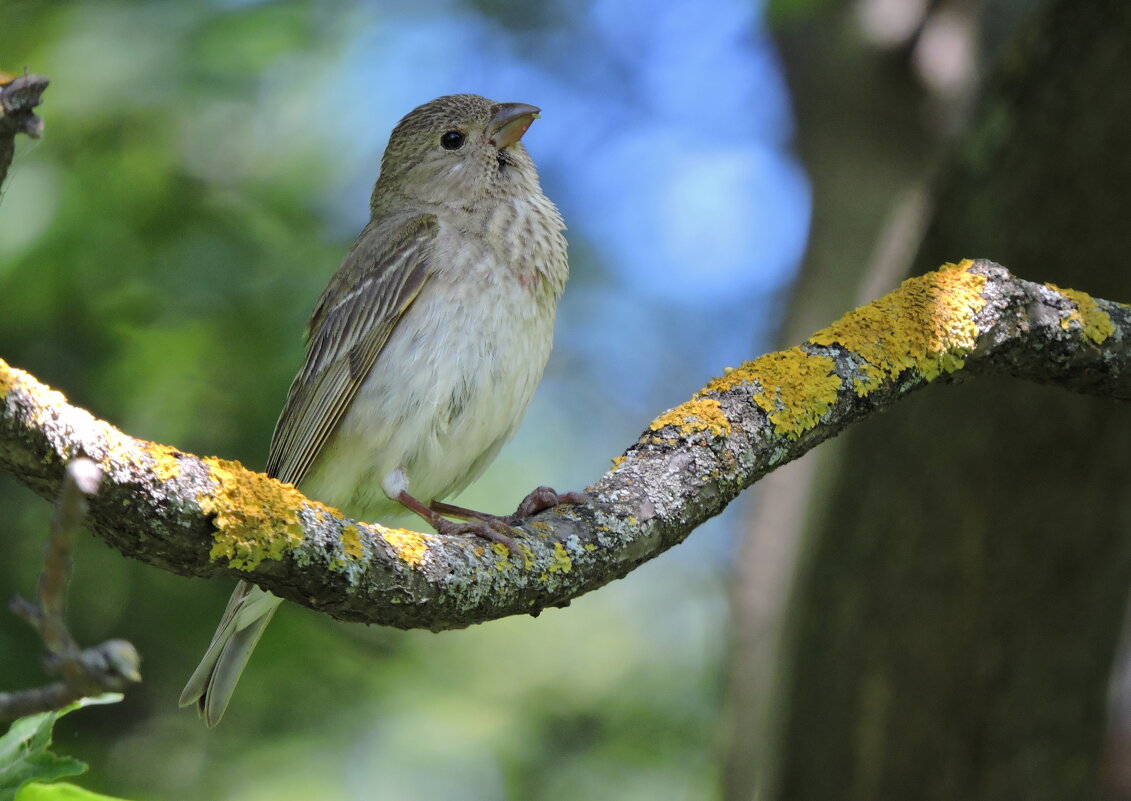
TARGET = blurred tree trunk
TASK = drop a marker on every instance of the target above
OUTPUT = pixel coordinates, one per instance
(866, 138)
(957, 615)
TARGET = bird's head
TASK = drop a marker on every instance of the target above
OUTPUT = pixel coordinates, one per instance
(456, 149)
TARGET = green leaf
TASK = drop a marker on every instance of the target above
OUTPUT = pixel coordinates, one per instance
(60, 791)
(24, 754)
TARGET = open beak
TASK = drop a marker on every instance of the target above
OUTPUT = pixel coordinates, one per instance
(510, 122)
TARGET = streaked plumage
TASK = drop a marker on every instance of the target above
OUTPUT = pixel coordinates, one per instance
(426, 346)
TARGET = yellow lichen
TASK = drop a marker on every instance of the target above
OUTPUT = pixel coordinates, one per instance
(410, 546)
(506, 556)
(697, 414)
(166, 465)
(926, 325)
(617, 460)
(562, 563)
(43, 401)
(793, 387)
(1094, 322)
(45, 407)
(256, 517)
(502, 551)
(351, 542)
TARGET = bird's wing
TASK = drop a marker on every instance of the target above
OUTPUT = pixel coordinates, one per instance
(380, 278)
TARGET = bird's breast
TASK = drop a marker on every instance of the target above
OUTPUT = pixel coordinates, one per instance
(456, 375)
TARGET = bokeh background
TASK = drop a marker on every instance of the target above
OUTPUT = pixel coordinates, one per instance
(204, 169)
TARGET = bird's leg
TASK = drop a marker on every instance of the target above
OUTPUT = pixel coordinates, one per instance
(462, 512)
(486, 527)
(539, 500)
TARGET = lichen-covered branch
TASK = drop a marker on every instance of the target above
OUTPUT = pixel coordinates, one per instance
(206, 516)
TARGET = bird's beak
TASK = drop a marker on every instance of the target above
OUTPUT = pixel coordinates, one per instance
(510, 122)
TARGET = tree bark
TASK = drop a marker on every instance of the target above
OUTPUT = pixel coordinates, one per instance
(956, 623)
(18, 98)
(865, 137)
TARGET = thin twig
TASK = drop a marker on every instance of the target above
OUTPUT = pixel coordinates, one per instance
(110, 666)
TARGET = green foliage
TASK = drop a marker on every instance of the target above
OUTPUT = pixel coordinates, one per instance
(61, 791)
(160, 250)
(25, 756)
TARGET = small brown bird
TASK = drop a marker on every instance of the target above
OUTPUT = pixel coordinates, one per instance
(424, 349)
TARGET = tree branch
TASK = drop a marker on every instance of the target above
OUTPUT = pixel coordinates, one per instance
(18, 97)
(110, 666)
(206, 517)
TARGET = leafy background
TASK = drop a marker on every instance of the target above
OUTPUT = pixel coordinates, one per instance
(204, 169)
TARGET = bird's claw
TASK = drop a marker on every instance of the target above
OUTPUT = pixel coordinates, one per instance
(491, 529)
(541, 499)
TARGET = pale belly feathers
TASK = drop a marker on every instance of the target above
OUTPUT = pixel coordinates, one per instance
(448, 390)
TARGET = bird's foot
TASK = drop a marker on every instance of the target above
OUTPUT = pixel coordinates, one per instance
(489, 527)
(493, 530)
(496, 528)
(541, 499)
(537, 501)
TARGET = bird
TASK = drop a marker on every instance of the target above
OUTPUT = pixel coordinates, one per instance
(423, 351)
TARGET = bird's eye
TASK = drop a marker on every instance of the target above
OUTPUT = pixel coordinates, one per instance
(452, 140)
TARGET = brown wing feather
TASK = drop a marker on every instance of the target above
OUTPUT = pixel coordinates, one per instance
(380, 278)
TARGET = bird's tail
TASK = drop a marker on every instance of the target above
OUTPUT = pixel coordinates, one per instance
(211, 685)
